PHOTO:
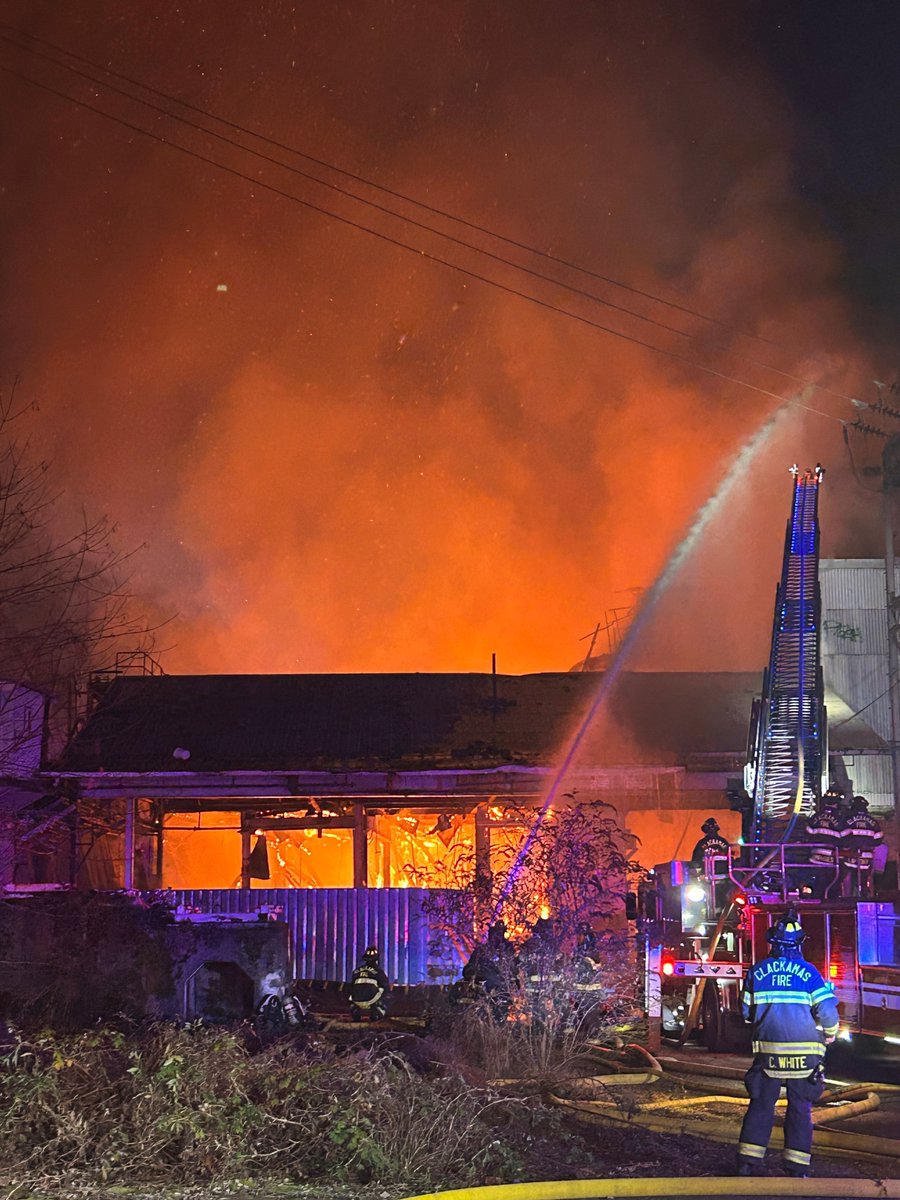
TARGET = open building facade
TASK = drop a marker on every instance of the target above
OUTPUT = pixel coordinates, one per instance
(410, 780)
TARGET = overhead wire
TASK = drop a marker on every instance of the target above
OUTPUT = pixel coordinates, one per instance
(480, 250)
(370, 183)
(399, 243)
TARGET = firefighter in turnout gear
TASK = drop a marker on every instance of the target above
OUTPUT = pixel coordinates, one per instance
(825, 830)
(712, 842)
(860, 839)
(785, 998)
(369, 987)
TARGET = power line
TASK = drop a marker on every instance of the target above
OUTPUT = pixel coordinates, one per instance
(474, 226)
(425, 254)
(581, 292)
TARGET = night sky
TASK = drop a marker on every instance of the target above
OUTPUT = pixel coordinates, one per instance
(345, 455)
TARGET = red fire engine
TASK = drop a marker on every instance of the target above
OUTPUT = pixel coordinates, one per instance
(706, 925)
(855, 944)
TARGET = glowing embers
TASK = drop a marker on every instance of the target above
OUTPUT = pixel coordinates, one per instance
(406, 847)
(204, 851)
(414, 848)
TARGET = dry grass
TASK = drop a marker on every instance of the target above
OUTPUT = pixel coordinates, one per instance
(174, 1105)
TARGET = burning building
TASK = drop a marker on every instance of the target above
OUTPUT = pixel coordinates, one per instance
(386, 781)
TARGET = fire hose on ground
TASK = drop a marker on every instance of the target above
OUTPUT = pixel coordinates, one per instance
(719, 1086)
(617, 1071)
(611, 1189)
(839, 1103)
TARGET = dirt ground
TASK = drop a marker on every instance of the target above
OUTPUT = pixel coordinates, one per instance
(578, 1151)
(562, 1147)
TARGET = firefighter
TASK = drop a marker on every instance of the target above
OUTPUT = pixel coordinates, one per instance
(825, 830)
(501, 949)
(369, 988)
(712, 842)
(539, 954)
(785, 999)
(483, 977)
(587, 948)
(860, 839)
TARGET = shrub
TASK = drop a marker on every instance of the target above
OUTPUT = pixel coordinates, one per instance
(177, 1104)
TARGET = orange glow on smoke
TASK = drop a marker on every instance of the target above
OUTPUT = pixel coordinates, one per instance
(344, 457)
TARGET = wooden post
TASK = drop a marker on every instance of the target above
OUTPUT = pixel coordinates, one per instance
(482, 866)
(73, 848)
(129, 842)
(482, 839)
(247, 827)
(653, 995)
(160, 829)
(360, 847)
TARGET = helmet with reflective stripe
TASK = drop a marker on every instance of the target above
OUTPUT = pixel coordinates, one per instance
(787, 933)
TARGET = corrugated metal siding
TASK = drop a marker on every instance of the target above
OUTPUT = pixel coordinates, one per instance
(871, 777)
(854, 631)
(331, 927)
(854, 638)
(861, 681)
(853, 583)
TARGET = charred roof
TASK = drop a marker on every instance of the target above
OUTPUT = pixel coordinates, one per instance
(157, 723)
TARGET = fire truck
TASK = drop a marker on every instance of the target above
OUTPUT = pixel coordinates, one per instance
(706, 924)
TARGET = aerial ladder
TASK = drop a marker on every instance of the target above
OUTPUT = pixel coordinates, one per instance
(788, 750)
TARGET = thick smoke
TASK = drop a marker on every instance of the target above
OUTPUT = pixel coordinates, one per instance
(344, 456)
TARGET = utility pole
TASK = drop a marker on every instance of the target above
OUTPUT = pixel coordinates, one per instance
(891, 486)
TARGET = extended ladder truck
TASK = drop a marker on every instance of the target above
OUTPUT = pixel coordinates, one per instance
(706, 928)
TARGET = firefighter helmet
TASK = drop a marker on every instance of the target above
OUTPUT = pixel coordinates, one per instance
(832, 797)
(371, 953)
(786, 933)
(859, 804)
(710, 826)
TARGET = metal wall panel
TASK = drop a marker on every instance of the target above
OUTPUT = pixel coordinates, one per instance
(861, 681)
(854, 638)
(871, 776)
(854, 631)
(853, 583)
(331, 928)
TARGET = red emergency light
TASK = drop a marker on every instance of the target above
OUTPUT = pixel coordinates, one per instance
(668, 966)
(739, 900)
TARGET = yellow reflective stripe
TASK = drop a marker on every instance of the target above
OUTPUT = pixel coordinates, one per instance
(787, 1047)
(781, 997)
(823, 993)
(797, 1156)
(830, 1030)
(775, 1074)
(749, 1150)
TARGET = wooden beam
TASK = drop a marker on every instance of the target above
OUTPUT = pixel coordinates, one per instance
(130, 806)
(160, 841)
(246, 834)
(323, 823)
(360, 848)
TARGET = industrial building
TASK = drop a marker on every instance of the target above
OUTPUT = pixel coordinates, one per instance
(389, 780)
